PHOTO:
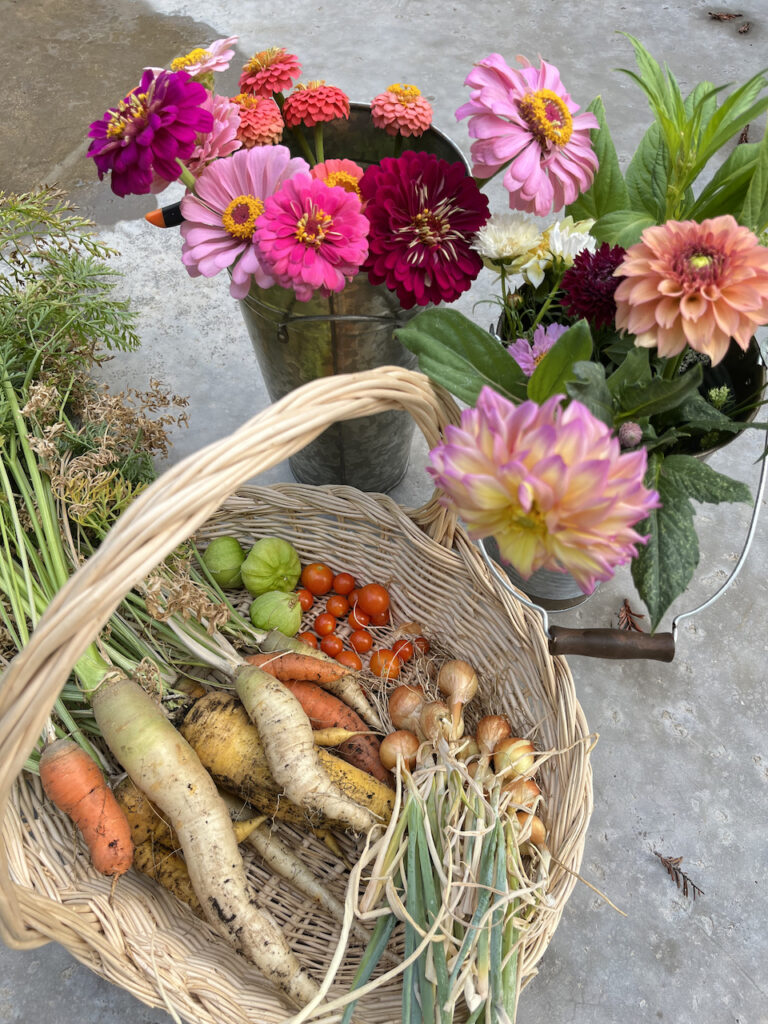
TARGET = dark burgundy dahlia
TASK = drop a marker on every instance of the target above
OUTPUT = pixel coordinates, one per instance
(423, 213)
(589, 285)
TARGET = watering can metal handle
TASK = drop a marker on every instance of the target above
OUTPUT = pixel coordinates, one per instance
(616, 644)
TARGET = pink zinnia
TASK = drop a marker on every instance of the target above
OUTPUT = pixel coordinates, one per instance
(270, 71)
(219, 220)
(401, 110)
(693, 284)
(221, 140)
(528, 354)
(215, 57)
(525, 119)
(424, 213)
(312, 237)
(344, 174)
(549, 482)
(315, 103)
(260, 120)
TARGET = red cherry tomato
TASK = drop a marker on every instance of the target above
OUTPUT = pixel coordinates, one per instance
(358, 619)
(385, 663)
(343, 583)
(361, 641)
(380, 618)
(421, 644)
(403, 649)
(332, 645)
(352, 597)
(373, 599)
(306, 598)
(337, 605)
(325, 623)
(350, 659)
(317, 578)
(309, 638)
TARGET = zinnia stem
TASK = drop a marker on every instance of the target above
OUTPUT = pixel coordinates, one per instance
(187, 177)
(319, 152)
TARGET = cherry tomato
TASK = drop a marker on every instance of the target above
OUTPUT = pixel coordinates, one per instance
(352, 597)
(373, 599)
(385, 663)
(343, 583)
(331, 644)
(325, 623)
(317, 578)
(337, 605)
(380, 618)
(350, 659)
(309, 638)
(306, 598)
(421, 644)
(361, 641)
(358, 619)
(403, 649)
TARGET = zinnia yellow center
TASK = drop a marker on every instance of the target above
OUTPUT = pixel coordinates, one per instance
(264, 59)
(341, 179)
(430, 226)
(132, 108)
(244, 100)
(548, 117)
(240, 216)
(405, 93)
(193, 57)
(313, 227)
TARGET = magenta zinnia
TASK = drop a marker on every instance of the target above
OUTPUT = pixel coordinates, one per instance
(525, 119)
(548, 482)
(149, 131)
(694, 284)
(315, 103)
(270, 71)
(424, 213)
(401, 110)
(590, 284)
(219, 221)
(312, 237)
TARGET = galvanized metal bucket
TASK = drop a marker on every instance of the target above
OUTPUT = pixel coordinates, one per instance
(296, 342)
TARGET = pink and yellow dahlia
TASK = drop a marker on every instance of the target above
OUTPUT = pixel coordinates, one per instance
(204, 61)
(344, 174)
(270, 71)
(315, 103)
(525, 121)
(693, 284)
(401, 110)
(260, 120)
(549, 482)
(311, 237)
(219, 221)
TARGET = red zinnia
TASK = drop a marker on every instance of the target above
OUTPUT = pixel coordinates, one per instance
(270, 71)
(590, 284)
(424, 213)
(315, 103)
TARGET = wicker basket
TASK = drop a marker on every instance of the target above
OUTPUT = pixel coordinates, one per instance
(138, 936)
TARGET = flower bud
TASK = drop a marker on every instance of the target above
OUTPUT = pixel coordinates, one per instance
(630, 434)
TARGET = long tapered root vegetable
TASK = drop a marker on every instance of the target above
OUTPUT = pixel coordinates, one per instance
(228, 744)
(74, 783)
(165, 767)
(170, 870)
(286, 735)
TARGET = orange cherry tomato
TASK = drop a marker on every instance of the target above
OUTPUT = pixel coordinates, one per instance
(332, 645)
(350, 659)
(343, 583)
(352, 597)
(309, 638)
(373, 599)
(337, 605)
(361, 641)
(325, 623)
(385, 663)
(317, 578)
(380, 618)
(421, 644)
(403, 649)
(358, 619)
(306, 598)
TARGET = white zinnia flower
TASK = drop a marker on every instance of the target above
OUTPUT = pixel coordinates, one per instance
(506, 237)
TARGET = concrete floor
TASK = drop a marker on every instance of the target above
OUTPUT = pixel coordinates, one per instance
(682, 762)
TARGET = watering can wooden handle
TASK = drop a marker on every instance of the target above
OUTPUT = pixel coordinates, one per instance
(612, 643)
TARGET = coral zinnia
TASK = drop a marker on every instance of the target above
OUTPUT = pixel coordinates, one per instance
(548, 482)
(589, 285)
(315, 103)
(261, 123)
(218, 226)
(401, 110)
(528, 354)
(525, 119)
(344, 174)
(311, 237)
(693, 284)
(215, 57)
(153, 127)
(424, 213)
(270, 71)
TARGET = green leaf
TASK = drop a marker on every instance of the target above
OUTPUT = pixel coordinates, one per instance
(737, 110)
(556, 368)
(638, 401)
(462, 357)
(695, 479)
(589, 388)
(647, 175)
(729, 182)
(608, 191)
(635, 368)
(754, 212)
(697, 414)
(622, 227)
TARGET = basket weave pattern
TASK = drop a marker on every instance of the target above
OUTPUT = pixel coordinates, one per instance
(141, 938)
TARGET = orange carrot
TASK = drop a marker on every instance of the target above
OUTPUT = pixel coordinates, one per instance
(73, 782)
(325, 711)
(298, 666)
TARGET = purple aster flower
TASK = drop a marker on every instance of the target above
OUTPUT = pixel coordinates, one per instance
(528, 354)
(155, 126)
